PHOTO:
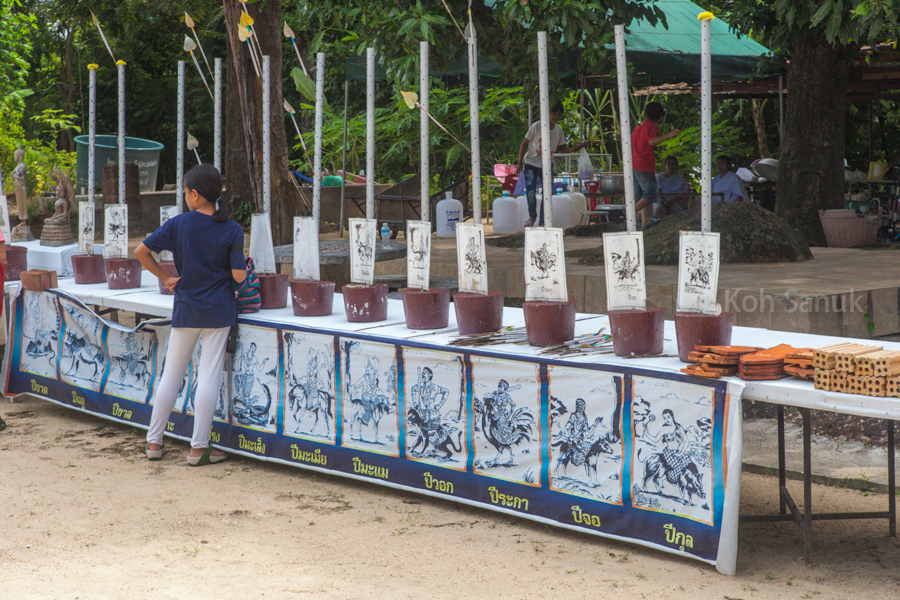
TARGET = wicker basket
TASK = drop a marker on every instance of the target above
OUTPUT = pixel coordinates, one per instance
(844, 228)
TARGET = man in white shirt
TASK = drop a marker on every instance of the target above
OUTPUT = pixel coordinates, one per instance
(530, 165)
(669, 183)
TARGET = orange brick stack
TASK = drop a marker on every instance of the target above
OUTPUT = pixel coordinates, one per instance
(857, 369)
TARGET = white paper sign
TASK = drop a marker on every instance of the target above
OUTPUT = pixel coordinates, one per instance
(623, 257)
(306, 248)
(115, 232)
(86, 228)
(261, 250)
(545, 265)
(698, 273)
(418, 254)
(4, 218)
(166, 213)
(470, 258)
(362, 251)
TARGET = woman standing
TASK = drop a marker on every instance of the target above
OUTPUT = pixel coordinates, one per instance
(208, 250)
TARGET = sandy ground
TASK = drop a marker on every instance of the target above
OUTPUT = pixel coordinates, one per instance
(88, 517)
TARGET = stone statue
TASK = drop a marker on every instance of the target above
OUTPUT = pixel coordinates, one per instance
(57, 229)
(21, 232)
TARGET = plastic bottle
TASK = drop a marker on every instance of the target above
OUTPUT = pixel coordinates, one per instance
(385, 233)
(506, 215)
(449, 213)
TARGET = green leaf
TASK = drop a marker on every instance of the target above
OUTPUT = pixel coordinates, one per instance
(453, 154)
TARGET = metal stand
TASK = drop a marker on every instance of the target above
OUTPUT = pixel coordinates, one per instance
(805, 517)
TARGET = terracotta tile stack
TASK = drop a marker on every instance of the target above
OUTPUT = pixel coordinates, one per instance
(857, 369)
(766, 364)
(800, 364)
(715, 361)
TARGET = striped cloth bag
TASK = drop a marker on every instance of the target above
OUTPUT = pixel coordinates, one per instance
(248, 298)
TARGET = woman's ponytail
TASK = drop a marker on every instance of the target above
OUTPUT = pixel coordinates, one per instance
(207, 181)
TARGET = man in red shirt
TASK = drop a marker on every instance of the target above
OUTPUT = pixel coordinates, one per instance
(644, 139)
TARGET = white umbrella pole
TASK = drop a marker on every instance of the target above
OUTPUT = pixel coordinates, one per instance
(217, 126)
(317, 152)
(705, 123)
(121, 140)
(179, 142)
(266, 135)
(472, 42)
(544, 93)
(625, 121)
(424, 142)
(92, 129)
(370, 133)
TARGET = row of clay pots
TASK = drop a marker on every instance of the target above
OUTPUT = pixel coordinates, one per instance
(640, 332)
(118, 273)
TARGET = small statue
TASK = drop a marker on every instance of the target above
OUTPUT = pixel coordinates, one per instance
(21, 232)
(57, 228)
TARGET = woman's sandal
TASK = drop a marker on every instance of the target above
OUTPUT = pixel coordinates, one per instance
(206, 459)
(156, 454)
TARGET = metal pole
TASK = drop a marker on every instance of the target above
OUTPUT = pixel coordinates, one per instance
(705, 124)
(179, 142)
(424, 141)
(344, 153)
(217, 126)
(472, 42)
(267, 135)
(92, 129)
(625, 123)
(121, 140)
(780, 109)
(317, 152)
(544, 84)
(370, 133)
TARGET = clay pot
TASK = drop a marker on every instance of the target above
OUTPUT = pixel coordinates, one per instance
(312, 298)
(365, 303)
(426, 309)
(549, 323)
(637, 332)
(694, 329)
(478, 313)
(88, 268)
(168, 267)
(272, 290)
(16, 262)
(123, 273)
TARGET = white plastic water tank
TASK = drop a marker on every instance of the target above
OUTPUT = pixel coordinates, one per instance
(523, 210)
(506, 215)
(449, 213)
(563, 215)
(579, 204)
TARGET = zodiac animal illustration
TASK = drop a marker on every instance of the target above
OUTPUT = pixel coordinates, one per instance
(311, 395)
(544, 261)
(503, 424)
(81, 352)
(580, 444)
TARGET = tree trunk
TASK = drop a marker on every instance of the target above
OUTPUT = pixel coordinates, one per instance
(759, 124)
(811, 161)
(243, 127)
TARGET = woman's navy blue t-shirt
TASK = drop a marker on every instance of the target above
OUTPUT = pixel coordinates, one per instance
(204, 259)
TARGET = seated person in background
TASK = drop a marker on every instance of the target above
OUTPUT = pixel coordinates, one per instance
(728, 183)
(670, 182)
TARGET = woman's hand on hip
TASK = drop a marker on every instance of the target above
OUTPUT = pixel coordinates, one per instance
(171, 282)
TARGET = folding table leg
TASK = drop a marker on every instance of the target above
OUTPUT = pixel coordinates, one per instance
(892, 484)
(782, 505)
(807, 486)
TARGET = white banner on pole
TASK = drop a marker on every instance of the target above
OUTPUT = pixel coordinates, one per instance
(166, 213)
(306, 248)
(470, 258)
(4, 215)
(623, 258)
(362, 251)
(261, 250)
(115, 231)
(418, 254)
(698, 273)
(545, 265)
(86, 228)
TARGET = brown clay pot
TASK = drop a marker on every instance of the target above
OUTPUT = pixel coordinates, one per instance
(16, 262)
(168, 267)
(426, 309)
(694, 329)
(478, 313)
(365, 303)
(549, 323)
(312, 298)
(637, 332)
(272, 290)
(88, 268)
(123, 273)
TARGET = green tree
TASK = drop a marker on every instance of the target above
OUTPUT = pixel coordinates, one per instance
(821, 39)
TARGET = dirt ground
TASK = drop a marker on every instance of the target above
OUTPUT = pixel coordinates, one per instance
(88, 517)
